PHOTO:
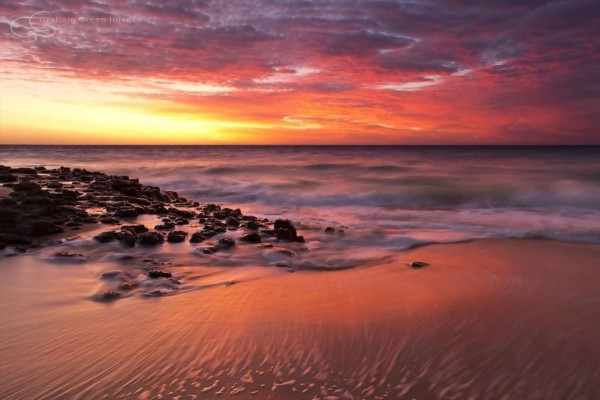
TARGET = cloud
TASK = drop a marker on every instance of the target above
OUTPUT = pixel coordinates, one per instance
(460, 66)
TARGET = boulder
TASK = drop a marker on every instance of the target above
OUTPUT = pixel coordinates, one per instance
(150, 238)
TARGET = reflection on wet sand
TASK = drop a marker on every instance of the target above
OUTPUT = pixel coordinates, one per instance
(487, 319)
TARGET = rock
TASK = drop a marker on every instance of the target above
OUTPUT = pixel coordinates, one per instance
(165, 226)
(36, 201)
(285, 224)
(137, 228)
(28, 187)
(7, 202)
(251, 238)
(70, 194)
(150, 238)
(197, 237)
(111, 295)
(121, 184)
(5, 178)
(90, 220)
(54, 185)
(285, 234)
(176, 236)
(233, 222)
(226, 243)
(9, 238)
(67, 254)
(252, 225)
(330, 230)
(418, 264)
(9, 215)
(110, 274)
(109, 220)
(127, 212)
(42, 228)
(129, 285)
(127, 237)
(156, 273)
(106, 237)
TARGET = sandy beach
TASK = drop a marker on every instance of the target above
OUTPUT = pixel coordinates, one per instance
(488, 319)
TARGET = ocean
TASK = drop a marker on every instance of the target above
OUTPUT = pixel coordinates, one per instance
(390, 197)
(486, 319)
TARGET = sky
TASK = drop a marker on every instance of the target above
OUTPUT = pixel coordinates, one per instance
(300, 72)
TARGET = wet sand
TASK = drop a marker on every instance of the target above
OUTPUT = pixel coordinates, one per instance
(488, 319)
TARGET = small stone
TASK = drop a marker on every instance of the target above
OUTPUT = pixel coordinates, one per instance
(67, 254)
(226, 243)
(330, 230)
(418, 264)
(197, 237)
(251, 238)
(156, 273)
(176, 236)
(285, 224)
(111, 295)
(150, 238)
(129, 285)
(106, 237)
(233, 222)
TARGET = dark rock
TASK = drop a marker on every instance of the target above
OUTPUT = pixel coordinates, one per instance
(28, 187)
(418, 264)
(111, 295)
(156, 273)
(106, 237)
(226, 243)
(4, 178)
(285, 234)
(110, 274)
(126, 237)
(285, 224)
(2, 246)
(251, 238)
(10, 238)
(36, 201)
(127, 212)
(42, 228)
(300, 239)
(109, 220)
(9, 215)
(253, 225)
(70, 194)
(150, 238)
(90, 220)
(209, 249)
(54, 185)
(197, 237)
(138, 228)
(7, 202)
(23, 171)
(67, 254)
(176, 236)
(121, 184)
(233, 222)
(330, 230)
(129, 285)
(165, 226)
